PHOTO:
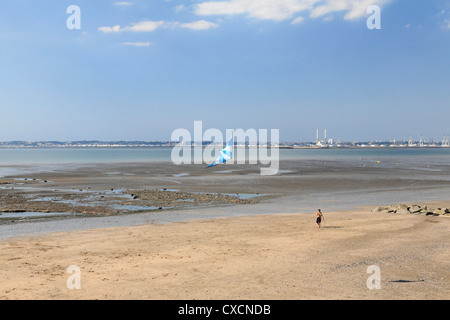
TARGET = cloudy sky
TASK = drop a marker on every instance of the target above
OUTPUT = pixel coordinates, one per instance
(139, 69)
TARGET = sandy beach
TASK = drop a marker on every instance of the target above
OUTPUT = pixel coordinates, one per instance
(181, 150)
(266, 248)
(261, 257)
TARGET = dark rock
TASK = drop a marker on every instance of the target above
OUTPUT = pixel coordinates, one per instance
(415, 209)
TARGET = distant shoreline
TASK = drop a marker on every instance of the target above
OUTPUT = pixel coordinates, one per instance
(194, 146)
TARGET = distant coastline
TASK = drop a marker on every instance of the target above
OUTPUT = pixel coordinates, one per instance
(171, 144)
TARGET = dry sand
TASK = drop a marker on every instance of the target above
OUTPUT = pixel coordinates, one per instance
(282, 256)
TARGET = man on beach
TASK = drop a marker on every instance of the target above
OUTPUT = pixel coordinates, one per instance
(319, 217)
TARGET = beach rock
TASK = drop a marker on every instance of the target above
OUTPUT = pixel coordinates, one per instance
(423, 210)
(391, 209)
(403, 210)
(400, 209)
(440, 211)
(415, 209)
(380, 209)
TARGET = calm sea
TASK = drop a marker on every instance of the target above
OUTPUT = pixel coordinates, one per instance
(11, 159)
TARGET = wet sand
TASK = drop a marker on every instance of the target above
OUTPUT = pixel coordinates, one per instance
(304, 185)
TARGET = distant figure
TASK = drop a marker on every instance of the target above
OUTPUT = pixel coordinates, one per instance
(319, 217)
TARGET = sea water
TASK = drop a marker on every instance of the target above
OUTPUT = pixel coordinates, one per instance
(26, 160)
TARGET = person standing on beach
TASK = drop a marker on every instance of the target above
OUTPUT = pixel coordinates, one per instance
(319, 218)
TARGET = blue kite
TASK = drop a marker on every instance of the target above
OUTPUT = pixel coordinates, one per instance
(224, 155)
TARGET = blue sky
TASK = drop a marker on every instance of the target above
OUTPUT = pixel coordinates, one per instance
(137, 70)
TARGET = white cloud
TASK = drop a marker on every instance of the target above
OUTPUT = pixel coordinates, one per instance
(122, 3)
(444, 17)
(298, 20)
(150, 26)
(199, 25)
(279, 10)
(275, 10)
(354, 8)
(110, 29)
(137, 44)
(179, 8)
(143, 26)
(358, 8)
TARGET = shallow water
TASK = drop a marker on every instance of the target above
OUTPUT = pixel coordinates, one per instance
(23, 161)
(27, 215)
